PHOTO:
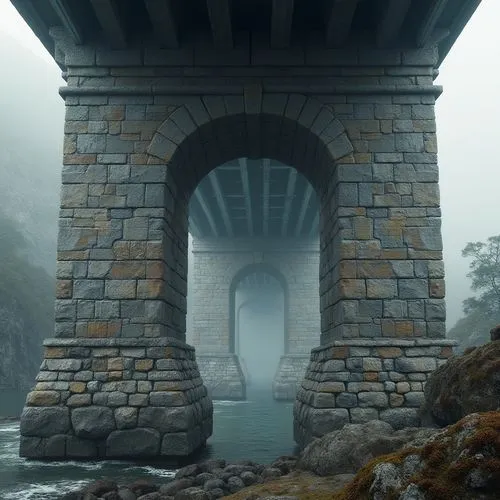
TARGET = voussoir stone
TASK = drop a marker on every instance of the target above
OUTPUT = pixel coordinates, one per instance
(44, 421)
(93, 422)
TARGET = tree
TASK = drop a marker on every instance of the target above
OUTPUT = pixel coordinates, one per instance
(482, 312)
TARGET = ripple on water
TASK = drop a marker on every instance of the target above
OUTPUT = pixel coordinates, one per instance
(42, 491)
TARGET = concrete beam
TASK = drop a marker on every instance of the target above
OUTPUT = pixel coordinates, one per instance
(281, 23)
(290, 190)
(108, 16)
(303, 209)
(266, 174)
(206, 210)
(61, 9)
(163, 21)
(428, 25)
(392, 21)
(219, 12)
(221, 202)
(340, 17)
(246, 191)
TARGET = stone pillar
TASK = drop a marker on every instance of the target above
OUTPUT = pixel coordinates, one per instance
(118, 380)
(381, 271)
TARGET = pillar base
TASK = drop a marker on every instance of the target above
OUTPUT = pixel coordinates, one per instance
(354, 381)
(223, 376)
(116, 398)
(290, 373)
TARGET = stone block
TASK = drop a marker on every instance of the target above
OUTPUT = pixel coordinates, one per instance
(346, 400)
(80, 448)
(44, 421)
(174, 419)
(373, 400)
(42, 398)
(362, 415)
(419, 365)
(400, 418)
(126, 417)
(381, 288)
(133, 443)
(321, 421)
(93, 422)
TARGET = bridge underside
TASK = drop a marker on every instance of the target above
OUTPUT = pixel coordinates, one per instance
(344, 96)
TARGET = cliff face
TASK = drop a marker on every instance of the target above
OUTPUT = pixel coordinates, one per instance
(20, 348)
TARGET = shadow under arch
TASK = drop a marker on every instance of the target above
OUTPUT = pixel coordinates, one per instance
(261, 267)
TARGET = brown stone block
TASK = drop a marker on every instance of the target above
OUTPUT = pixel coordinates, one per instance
(403, 328)
(436, 288)
(54, 352)
(347, 250)
(154, 250)
(331, 387)
(43, 398)
(138, 249)
(150, 289)
(112, 112)
(425, 254)
(128, 270)
(115, 375)
(77, 387)
(340, 352)
(169, 353)
(389, 352)
(69, 146)
(352, 289)
(97, 329)
(155, 269)
(121, 250)
(363, 228)
(393, 253)
(79, 159)
(363, 158)
(115, 364)
(446, 352)
(143, 365)
(347, 269)
(396, 400)
(388, 328)
(73, 255)
(138, 159)
(370, 376)
(114, 127)
(169, 385)
(64, 289)
(130, 137)
(374, 269)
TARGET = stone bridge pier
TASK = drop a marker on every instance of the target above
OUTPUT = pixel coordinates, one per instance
(219, 266)
(144, 125)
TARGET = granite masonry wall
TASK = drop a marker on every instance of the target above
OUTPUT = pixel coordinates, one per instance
(114, 398)
(219, 264)
(144, 125)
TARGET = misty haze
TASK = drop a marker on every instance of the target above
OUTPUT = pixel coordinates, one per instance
(230, 234)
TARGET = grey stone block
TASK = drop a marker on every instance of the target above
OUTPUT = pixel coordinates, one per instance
(88, 289)
(80, 448)
(133, 443)
(415, 288)
(93, 422)
(399, 418)
(44, 421)
(167, 419)
(126, 417)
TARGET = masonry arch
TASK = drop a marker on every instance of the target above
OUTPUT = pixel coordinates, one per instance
(238, 277)
(208, 131)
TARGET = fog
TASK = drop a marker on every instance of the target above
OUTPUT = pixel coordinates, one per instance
(467, 119)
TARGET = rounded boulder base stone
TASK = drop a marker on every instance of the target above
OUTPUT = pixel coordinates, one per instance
(93, 422)
(44, 421)
(133, 443)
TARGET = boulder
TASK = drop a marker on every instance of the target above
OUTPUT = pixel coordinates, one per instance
(495, 333)
(465, 384)
(44, 421)
(461, 461)
(133, 442)
(93, 422)
(346, 450)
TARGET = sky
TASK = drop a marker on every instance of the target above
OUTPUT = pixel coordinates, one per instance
(468, 118)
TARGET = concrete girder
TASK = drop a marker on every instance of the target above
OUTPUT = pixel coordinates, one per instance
(61, 9)
(219, 12)
(428, 24)
(163, 21)
(303, 209)
(266, 173)
(290, 190)
(246, 192)
(221, 202)
(392, 21)
(206, 209)
(281, 23)
(108, 16)
(340, 18)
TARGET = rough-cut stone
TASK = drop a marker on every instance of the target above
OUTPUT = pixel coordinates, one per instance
(133, 443)
(94, 422)
(44, 421)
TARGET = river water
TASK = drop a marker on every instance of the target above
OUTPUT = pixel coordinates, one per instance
(258, 429)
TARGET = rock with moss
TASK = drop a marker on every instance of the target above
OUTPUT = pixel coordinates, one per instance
(346, 450)
(459, 462)
(465, 384)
